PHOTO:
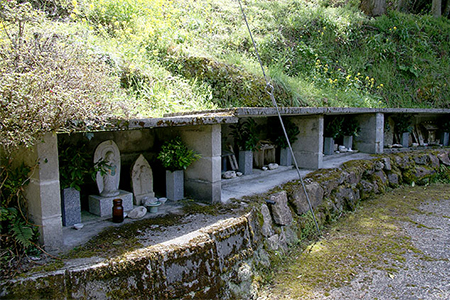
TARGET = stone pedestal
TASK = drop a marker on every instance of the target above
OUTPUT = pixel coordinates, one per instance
(285, 157)
(405, 140)
(175, 185)
(444, 138)
(348, 142)
(328, 146)
(246, 162)
(102, 206)
(70, 206)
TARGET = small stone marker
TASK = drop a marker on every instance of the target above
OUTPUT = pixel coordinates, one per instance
(142, 181)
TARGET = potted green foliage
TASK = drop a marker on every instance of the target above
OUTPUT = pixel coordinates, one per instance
(333, 129)
(403, 127)
(292, 132)
(175, 157)
(350, 129)
(245, 136)
(75, 169)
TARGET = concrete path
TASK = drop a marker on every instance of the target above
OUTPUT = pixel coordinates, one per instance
(259, 182)
(262, 181)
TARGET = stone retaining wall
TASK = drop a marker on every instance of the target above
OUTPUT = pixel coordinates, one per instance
(221, 261)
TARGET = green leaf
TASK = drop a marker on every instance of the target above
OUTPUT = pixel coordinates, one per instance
(22, 233)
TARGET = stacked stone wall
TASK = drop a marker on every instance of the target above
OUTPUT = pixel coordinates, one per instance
(222, 261)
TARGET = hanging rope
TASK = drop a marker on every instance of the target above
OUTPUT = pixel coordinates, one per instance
(269, 90)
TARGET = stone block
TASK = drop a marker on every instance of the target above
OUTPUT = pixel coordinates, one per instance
(300, 202)
(232, 240)
(348, 142)
(206, 168)
(381, 176)
(204, 191)
(70, 207)
(281, 212)
(328, 146)
(371, 136)
(393, 180)
(185, 269)
(405, 139)
(102, 206)
(285, 157)
(309, 160)
(443, 157)
(348, 196)
(387, 163)
(266, 228)
(434, 161)
(444, 138)
(205, 140)
(246, 162)
(422, 159)
(175, 185)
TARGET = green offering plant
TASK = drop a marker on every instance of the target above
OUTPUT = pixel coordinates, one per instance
(292, 133)
(245, 135)
(402, 123)
(75, 166)
(350, 127)
(175, 155)
(334, 127)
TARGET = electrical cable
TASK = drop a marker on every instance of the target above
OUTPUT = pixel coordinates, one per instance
(269, 89)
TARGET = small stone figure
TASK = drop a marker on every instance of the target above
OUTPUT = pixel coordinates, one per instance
(142, 181)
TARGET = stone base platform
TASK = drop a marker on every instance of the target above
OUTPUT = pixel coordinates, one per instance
(102, 206)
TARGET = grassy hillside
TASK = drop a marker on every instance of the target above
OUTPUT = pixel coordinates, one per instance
(183, 55)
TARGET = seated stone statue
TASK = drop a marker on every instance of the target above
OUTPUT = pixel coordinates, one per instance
(107, 160)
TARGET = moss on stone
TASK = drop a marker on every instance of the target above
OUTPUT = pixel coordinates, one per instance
(354, 243)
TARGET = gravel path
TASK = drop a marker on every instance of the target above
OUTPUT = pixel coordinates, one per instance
(424, 275)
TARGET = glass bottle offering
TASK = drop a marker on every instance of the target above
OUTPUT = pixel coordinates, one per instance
(117, 211)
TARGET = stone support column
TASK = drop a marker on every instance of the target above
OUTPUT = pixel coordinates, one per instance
(371, 136)
(203, 177)
(308, 149)
(43, 192)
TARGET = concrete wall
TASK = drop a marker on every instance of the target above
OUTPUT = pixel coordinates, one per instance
(203, 177)
(308, 149)
(43, 192)
(371, 137)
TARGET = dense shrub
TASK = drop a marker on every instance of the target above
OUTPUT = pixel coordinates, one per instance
(47, 82)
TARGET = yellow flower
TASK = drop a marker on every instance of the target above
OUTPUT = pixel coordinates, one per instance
(395, 28)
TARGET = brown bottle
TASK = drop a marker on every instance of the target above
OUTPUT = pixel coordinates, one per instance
(117, 211)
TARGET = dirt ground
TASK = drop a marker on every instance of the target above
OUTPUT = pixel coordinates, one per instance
(411, 260)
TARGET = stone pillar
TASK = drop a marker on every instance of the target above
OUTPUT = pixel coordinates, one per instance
(308, 149)
(371, 136)
(203, 177)
(43, 192)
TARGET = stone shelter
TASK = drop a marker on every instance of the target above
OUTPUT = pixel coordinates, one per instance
(206, 132)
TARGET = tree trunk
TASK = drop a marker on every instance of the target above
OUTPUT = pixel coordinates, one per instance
(436, 8)
(373, 8)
